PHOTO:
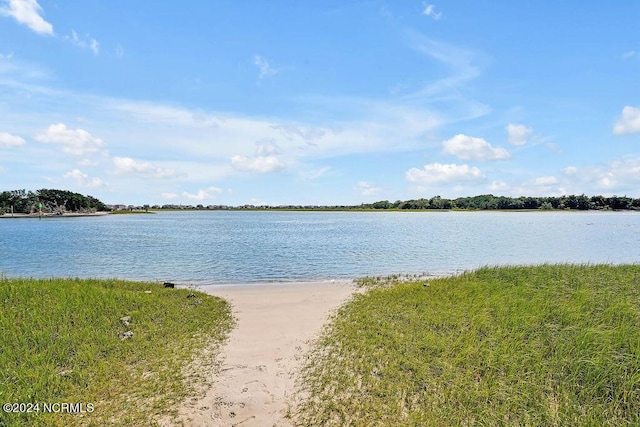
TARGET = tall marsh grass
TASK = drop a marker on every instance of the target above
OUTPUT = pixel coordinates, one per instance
(60, 341)
(550, 345)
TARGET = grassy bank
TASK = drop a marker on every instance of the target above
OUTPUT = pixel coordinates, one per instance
(63, 342)
(126, 212)
(543, 346)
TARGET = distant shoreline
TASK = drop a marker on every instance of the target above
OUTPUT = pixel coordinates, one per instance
(327, 210)
(50, 215)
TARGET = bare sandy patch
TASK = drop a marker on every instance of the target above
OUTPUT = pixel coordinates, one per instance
(255, 382)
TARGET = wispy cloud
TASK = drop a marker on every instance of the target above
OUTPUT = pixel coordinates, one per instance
(371, 127)
(430, 10)
(464, 65)
(27, 12)
(553, 147)
(205, 194)
(86, 42)
(619, 176)
(127, 165)
(498, 186)
(265, 69)
(267, 148)
(18, 75)
(630, 54)
(366, 189)
(545, 181)
(314, 173)
(208, 147)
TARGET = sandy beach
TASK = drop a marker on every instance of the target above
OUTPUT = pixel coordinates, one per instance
(50, 215)
(275, 323)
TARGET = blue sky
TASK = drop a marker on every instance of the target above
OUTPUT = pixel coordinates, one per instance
(319, 102)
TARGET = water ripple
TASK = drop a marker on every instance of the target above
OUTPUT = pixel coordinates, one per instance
(234, 247)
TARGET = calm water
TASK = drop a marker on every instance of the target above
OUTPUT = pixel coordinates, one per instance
(240, 247)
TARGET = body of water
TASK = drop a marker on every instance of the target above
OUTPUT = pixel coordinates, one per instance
(214, 247)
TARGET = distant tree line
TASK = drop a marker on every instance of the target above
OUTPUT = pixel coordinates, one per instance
(482, 202)
(53, 201)
(491, 202)
(61, 201)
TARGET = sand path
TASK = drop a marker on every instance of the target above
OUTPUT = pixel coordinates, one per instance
(274, 324)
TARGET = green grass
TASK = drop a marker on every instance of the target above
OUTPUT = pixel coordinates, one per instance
(550, 345)
(60, 342)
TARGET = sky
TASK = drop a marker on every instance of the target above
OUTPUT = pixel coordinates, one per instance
(319, 102)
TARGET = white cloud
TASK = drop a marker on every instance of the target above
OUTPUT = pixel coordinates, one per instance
(127, 165)
(430, 10)
(82, 179)
(366, 189)
(266, 70)
(259, 164)
(168, 195)
(498, 186)
(437, 173)
(267, 149)
(469, 148)
(618, 177)
(75, 174)
(264, 161)
(208, 193)
(9, 141)
(629, 122)
(607, 181)
(86, 43)
(119, 51)
(77, 142)
(27, 12)
(545, 181)
(518, 134)
(621, 175)
(630, 54)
